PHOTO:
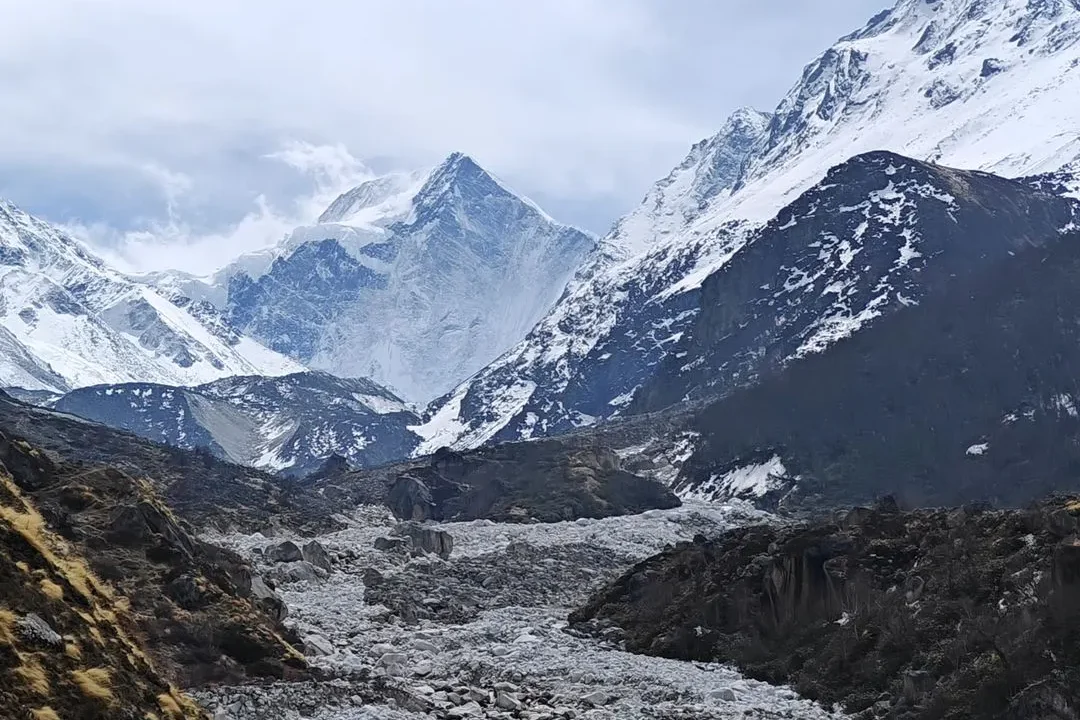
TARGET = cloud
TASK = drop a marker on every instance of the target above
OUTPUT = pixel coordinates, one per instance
(130, 115)
(171, 243)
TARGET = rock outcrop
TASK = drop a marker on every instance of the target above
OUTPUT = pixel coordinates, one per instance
(968, 613)
(542, 481)
(69, 641)
(196, 610)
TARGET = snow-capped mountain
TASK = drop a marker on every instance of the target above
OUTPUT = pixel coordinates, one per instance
(67, 320)
(291, 423)
(877, 234)
(976, 84)
(414, 280)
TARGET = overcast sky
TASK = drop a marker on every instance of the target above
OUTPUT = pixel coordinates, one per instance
(181, 133)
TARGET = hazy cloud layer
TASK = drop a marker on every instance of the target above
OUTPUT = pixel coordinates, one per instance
(183, 132)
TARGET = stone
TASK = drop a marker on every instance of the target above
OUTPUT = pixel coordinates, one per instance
(380, 649)
(596, 698)
(422, 668)
(507, 701)
(724, 694)
(424, 646)
(391, 658)
(316, 554)
(469, 709)
(299, 571)
(284, 552)
(386, 544)
(35, 630)
(318, 645)
(478, 695)
(426, 539)
(410, 499)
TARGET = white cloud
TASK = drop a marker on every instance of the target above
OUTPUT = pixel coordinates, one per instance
(123, 111)
(173, 244)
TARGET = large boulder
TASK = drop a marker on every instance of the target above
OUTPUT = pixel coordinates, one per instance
(284, 552)
(543, 481)
(268, 600)
(316, 554)
(426, 539)
(410, 499)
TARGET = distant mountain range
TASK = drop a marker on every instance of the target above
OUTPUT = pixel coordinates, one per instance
(983, 85)
(912, 164)
(414, 280)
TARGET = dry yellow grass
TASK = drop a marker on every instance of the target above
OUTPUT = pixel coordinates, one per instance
(51, 589)
(94, 682)
(44, 713)
(72, 650)
(169, 706)
(23, 566)
(7, 627)
(1073, 506)
(33, 674)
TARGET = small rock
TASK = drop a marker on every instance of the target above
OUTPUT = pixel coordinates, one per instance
(507, 701)
(382, 649)
(469, 709)
(386, 544)
(422, 668)
(391, 658)
(597, 698)
(424, 646)
(477, 695)
(318, 645)
(725, 694)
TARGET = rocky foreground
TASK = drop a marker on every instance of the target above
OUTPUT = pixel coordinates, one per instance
(469, 620)
(964, 613)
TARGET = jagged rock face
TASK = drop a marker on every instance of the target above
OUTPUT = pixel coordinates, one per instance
(923, 614)
(413, 281)
(67, 320)
(877, 235)
(914, 81)
(293, 424)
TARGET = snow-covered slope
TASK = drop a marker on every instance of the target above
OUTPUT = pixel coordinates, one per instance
(67, 320)
(415, 281)
(980, 84)
(291, 423)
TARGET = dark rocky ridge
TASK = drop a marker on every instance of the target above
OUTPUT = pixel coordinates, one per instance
(290, 423)
(969, 396)
(878, 234)
(542, 481)
(202, 489)
(968, 613)
(120, 557)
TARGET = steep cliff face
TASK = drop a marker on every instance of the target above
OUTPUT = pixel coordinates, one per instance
(928, 614)
(415, 281)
